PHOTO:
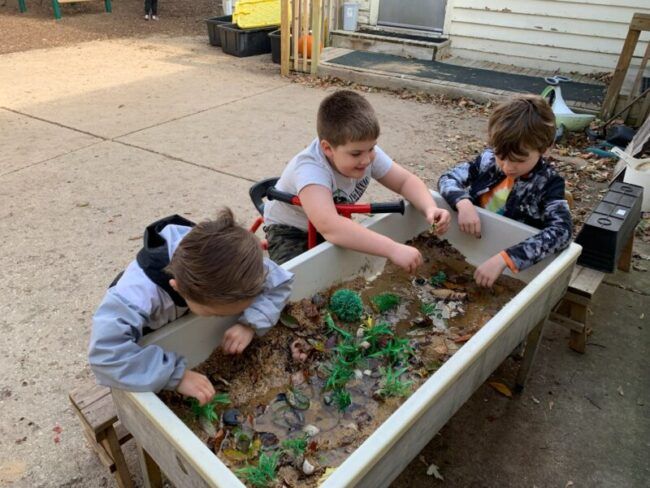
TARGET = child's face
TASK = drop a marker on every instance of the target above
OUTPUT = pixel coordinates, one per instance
(350, 159)
(515, 169)
(219, 309)
(215, 309)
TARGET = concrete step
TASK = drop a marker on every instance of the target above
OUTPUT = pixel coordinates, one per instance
(477, 81)
(388, 42)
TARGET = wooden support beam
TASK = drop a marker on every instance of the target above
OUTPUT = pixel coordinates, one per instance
(317, 15)
(285, 37)
(640, 22)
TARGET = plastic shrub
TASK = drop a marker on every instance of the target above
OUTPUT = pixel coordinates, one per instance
(438, 279)
(346, 305)
(262, 475)
(391, 385)
(385, 302)
(341, 398)
(330, 323)
(207, 411)
(295, 447)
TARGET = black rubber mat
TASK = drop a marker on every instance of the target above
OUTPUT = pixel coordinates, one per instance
(396, 35)
(435, 70)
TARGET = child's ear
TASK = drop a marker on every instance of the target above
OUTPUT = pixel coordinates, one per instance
(327, 148)
(173, 284)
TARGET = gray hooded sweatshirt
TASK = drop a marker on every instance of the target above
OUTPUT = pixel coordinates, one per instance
(135, 302)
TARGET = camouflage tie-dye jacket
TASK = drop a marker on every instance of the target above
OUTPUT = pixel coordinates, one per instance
(536, 199)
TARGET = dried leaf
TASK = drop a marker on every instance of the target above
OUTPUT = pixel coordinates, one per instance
(501, 388)
(535, 400)
(463, 338)
(433, 470)
(234, 455)
(620, 391)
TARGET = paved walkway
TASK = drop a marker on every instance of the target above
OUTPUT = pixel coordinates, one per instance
(101, 138)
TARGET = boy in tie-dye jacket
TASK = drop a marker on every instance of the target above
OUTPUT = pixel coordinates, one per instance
(513, 179)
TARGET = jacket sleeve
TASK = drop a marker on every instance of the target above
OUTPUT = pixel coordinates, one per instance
(265, 310)
(554, 236)
(116, 358)
(454, 185)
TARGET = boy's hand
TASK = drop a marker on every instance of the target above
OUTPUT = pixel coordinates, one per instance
(468, 220)
(237, 338)
(440, 217)
(196, 385)
(406, 257)
(488, 272)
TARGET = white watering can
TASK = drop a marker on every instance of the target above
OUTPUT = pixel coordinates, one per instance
(564, 116)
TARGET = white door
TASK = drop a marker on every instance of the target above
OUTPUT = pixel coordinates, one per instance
(414, 14)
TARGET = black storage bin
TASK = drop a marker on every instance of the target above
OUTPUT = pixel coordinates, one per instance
(212, 24)
(606, 231)
(245, 42)
(275, 45)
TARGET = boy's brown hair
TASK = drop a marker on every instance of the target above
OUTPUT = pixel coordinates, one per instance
(520, 125)
(346, 116)
(218, 262)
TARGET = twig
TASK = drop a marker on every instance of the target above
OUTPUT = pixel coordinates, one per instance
(593, 403)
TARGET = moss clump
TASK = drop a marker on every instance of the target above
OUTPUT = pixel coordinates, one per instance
(346, 305)
(385, 302)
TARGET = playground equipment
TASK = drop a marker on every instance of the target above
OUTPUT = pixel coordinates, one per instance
(564, 116)
(57, 9)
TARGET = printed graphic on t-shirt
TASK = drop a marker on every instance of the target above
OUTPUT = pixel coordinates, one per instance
(495, 200)
(359, 189)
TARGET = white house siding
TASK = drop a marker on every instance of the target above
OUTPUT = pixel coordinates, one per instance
(567, 35)
(584, 36)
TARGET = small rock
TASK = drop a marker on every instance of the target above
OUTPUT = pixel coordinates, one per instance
(268, 439)
(360, 332)
(232, 417)
(319, 300)
(308, 468)
(367, 372)
(358, 374)
(310, 430)
(364, 345)
(297, 378)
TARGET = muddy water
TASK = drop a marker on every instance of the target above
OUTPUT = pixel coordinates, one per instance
(259, 380)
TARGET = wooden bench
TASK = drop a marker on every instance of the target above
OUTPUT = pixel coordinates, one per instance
(572, 311)
(94, 406)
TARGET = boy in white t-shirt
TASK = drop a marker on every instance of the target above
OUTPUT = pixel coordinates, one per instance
(337, 168)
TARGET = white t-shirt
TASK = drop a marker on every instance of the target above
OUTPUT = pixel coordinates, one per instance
(311, 167)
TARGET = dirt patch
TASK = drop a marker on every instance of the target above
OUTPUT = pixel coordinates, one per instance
(87, 21)
(358, 372)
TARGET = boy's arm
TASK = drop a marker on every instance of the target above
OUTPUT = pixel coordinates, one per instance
(319, 207)
(454, 184)
(555, 236)
(265, 310)
(402, 181)
(118, 361)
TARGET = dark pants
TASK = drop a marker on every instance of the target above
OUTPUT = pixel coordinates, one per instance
(286, 242)
(151, 7)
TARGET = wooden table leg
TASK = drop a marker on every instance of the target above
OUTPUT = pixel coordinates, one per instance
(151, 475)
(625, 260)
(532, 344)
(112, 445)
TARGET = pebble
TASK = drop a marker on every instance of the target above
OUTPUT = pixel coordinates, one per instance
(308, 468)
(310, 430)
(232, 417)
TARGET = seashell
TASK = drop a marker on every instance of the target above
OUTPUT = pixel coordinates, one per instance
(308, 468)
(310, 430)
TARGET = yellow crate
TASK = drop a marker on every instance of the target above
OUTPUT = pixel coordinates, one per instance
(256, 13)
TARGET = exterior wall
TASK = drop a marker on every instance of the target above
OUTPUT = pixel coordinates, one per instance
(568, 35)
(584, 36)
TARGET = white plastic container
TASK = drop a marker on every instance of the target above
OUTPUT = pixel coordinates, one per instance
(188, 462)
(350, 13)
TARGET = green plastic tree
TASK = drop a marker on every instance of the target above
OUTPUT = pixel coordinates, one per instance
(346, 305)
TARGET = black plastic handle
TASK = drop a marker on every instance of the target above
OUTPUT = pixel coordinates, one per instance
(282, 196)
(388, 207)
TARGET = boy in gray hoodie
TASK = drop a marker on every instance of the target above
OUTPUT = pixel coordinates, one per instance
(215, 268)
